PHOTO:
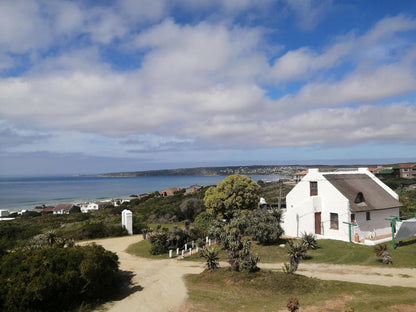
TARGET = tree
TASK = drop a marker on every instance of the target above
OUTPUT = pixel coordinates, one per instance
(296, 251)
(203, 222)
(234, 193)
(190, 207)
(264, 226)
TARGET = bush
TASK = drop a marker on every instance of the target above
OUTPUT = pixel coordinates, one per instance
(203, 222)
(264, 226)
(51, 278)
(309, 240)
(159, 242)
(210, 254)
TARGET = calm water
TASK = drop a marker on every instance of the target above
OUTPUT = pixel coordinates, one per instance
(28, 192)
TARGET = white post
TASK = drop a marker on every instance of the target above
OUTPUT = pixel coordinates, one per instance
(183, 253)
(177, 251)
(170, 253)
(206, 240)
(127, 220)
(190, 251)
(186, 246)
(209, 242)
(197, 248)
(193, 244)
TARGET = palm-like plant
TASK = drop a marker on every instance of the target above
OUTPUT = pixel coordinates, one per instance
(309, 240)
(211, 257)
(296, 251)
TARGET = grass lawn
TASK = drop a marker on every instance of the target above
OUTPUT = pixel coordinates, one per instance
(141, 249)
(329, 251)
(225, 290)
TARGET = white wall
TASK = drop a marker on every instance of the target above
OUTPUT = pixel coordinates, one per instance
(378, 225)
(299, 215)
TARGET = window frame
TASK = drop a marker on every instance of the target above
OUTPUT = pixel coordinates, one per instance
(313, 188)
(333, 221)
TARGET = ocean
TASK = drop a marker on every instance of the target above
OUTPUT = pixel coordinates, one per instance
(18, 193)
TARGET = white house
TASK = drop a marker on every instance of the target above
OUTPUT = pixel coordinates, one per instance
(323, 203)
(93, 206)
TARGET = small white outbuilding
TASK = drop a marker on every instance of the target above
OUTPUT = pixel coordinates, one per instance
(341, 205)
(127, 220)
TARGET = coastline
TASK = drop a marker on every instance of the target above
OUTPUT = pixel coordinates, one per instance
(28, 192)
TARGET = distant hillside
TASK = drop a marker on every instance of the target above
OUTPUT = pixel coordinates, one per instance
(214, 171)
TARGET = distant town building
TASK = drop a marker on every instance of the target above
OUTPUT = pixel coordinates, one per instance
(408, 171)
(169, 191)
(65, 208)
(192, 189)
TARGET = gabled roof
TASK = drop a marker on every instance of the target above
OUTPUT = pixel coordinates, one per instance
(407, 166)
(373, 195)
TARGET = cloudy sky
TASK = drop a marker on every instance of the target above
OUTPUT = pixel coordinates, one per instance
(104, 86)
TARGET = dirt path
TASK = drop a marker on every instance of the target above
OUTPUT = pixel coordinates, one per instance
(157, 285)
(384, 276)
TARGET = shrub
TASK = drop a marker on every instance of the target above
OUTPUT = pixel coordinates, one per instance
(264, 226)
(309, 240)
(293, 304)
(203, 222)
(381, 251)
(51, 278)
(296, 251)
(158, 240)
(211, 257)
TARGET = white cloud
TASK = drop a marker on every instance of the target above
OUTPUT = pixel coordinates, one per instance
(22, 27)
(199, 83)
(362, 86)
(309, 13)
(371, 49)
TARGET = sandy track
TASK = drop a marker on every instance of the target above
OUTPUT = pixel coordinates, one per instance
(384, 276)
(157, 285)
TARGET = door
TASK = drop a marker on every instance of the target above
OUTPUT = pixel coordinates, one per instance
(317, 223)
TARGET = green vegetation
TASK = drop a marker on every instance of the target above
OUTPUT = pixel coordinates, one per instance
(328, 251)
(211, 256)
(234, 193)
(142, 249)
(226, 290)
(155, 208)
(53, 278)
(270, 191)
(77, 226)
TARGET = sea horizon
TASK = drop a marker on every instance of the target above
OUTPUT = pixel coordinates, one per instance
(26, 192)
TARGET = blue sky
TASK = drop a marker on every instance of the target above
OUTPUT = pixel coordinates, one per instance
(103, 86)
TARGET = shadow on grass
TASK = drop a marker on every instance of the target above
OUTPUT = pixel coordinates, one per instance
(407, 242)
(127, 287)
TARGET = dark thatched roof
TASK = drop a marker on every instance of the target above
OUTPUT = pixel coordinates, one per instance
(363, 193)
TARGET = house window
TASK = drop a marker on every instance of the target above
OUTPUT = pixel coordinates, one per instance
(359, 198)
(367, 215)
(334, 221)
(313, 185)
(353, 217)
